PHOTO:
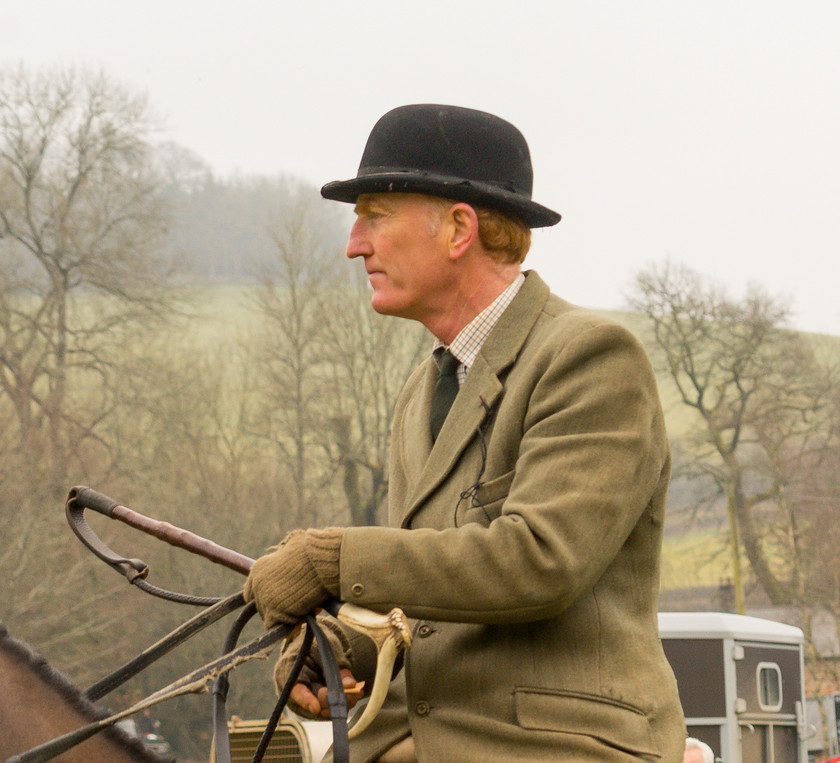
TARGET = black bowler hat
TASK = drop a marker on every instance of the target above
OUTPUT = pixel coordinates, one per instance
(452, 152)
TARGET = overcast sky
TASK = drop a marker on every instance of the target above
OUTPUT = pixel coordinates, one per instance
(707, 132)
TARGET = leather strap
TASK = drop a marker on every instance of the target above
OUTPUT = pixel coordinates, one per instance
(192, 626)
(135, 570)
(191, 683)
(336, 699)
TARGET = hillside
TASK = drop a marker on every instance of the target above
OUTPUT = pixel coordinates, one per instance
(695, 548)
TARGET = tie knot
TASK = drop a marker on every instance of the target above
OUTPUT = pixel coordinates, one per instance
(448, 364)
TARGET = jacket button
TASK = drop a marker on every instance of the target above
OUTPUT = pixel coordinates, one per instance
(421, 708)
(358, 589)
(425, 630)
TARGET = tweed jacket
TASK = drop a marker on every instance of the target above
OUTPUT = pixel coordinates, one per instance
(531, 566)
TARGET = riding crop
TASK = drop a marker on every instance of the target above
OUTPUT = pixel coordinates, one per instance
(390, 633)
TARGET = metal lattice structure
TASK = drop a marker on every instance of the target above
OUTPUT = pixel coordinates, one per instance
(289, 743)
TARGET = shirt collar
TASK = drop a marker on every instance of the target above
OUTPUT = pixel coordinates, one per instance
(467, 344)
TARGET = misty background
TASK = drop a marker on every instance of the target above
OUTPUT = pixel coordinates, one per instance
(180, 330)
(701, 131)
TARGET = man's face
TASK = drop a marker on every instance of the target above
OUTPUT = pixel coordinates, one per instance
(405, 253)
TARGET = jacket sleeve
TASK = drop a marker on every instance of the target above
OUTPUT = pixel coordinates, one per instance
(591, 453)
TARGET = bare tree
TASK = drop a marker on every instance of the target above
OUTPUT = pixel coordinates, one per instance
(331, 369)
(80, 214)
(761, 401)
(80, 218)
(370, 356)
(286, 355)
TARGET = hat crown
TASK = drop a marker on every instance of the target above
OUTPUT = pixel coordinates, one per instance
(451, 141)
(451, 152)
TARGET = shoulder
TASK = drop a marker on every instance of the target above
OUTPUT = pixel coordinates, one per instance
(548, 315)
(578, 351)
(564, 327)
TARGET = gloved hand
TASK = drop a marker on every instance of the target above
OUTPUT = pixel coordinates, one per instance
(297, 576)
(308, 697)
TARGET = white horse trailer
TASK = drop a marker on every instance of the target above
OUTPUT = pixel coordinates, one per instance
(741, 684)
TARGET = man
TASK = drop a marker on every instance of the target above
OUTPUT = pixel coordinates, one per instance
(697, 752)
(525, 523)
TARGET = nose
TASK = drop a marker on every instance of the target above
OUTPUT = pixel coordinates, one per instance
(357, 243)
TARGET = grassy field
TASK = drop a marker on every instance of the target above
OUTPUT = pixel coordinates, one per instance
(695, 558)
(690, 558)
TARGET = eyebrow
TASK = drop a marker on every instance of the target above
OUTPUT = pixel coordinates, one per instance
(365, 205)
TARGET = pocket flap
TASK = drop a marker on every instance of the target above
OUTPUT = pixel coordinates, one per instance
(496, 488)
(618, 724)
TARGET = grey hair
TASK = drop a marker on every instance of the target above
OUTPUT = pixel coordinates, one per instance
(695, 744)
(438, 207)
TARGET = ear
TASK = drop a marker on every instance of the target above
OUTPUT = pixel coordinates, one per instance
(462, 227)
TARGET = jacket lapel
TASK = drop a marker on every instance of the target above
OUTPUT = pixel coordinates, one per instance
(481, 391)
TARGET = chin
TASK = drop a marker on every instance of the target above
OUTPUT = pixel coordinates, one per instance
(383, 309)
(386, 307)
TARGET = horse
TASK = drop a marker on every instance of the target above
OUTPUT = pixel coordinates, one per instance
(39, 703)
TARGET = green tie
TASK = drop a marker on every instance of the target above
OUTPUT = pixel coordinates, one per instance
(446, 388)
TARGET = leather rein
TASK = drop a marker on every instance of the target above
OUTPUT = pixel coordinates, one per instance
(392, 635)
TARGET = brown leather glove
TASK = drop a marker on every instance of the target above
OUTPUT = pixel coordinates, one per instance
(297, 576)
(311, 673)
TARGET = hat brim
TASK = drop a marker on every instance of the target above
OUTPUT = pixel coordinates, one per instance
(473, 192)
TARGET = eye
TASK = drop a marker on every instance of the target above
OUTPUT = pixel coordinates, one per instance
(374, 216)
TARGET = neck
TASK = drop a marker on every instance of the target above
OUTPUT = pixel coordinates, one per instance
(470, 296)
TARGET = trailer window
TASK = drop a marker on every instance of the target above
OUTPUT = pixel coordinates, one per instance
(769, 686)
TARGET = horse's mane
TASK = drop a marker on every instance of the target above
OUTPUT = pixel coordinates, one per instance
(40, 668)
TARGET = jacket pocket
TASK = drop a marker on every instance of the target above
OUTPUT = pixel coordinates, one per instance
(616, 724)
(482, 503)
